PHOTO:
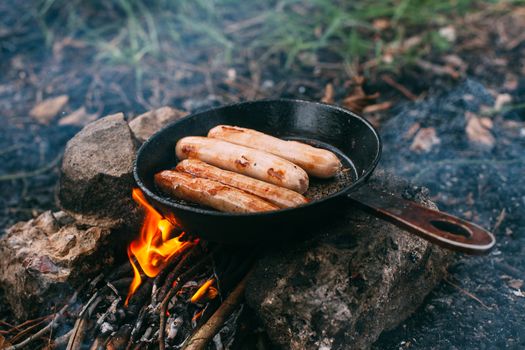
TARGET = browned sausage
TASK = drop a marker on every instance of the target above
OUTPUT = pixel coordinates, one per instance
(244, 160)
(210, 193)
(316, 161)
(280, 196)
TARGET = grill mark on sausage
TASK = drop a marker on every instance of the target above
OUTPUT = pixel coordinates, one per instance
(217, 189)
(278, 174)
(188, 149)
(243, 162)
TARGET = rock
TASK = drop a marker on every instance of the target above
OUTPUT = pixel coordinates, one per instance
(96, 175)
(341, 289)
(43, 258)
(150, 122)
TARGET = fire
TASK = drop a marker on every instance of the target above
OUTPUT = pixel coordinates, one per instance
(155, 246)
(206, 290)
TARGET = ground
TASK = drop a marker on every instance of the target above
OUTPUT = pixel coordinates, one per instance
(450, 109)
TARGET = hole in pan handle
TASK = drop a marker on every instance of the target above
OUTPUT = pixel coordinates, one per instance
(441, 228)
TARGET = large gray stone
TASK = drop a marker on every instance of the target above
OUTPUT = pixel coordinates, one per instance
(145, 125)
(43, 258)
(342, 288)
(96, 175)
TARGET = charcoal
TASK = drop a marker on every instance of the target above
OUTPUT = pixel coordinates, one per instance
(145, 125)
(345, 286)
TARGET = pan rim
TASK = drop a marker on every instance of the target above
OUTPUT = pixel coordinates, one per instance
(172, 204)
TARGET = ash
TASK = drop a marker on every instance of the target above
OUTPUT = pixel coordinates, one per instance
(477, 175)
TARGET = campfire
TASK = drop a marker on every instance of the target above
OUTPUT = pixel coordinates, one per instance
(184, 293)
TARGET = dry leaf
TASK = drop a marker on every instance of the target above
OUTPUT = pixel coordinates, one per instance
(424, 140)
(411, 131)
(46, 110)
(516, 284)
(478, 130)
(328, 94)
(377, 107)
(501, 100)
(357, 100)
(78, 117)
(455, 60)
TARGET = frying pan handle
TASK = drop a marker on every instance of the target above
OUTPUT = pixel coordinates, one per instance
(443, 229)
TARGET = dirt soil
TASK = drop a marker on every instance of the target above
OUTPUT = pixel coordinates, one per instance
(463, 138)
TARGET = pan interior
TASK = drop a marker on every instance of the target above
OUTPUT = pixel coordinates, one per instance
(320, 188)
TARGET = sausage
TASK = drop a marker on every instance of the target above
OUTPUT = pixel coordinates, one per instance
(247, 161)
(280, 196)
(315, 161)
(210, 193)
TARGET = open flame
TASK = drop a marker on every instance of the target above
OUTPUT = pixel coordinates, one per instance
(206, 290)
(155, 245)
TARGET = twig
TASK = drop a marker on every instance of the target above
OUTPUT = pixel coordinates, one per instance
(467, 293)
(77, 337)
(23, 174)
(173, 291)
(438, 70)
(203, 336)
(61, 341)
(19, 326)
(11, 149)
(499, 220)
(407, 93)
(510, 270)
(111, 309)
(175, 273)
(44, 330)
(138, 326)
(27, 330)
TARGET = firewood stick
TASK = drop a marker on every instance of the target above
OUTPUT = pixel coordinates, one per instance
(60, 342)
(138, 325)
(162, 291)
(79, 330)
(205, 334)
(76, 338)
(185, 277)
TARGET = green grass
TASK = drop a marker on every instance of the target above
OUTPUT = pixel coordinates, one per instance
(127, 31)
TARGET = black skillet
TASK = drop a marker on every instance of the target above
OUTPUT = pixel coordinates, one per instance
(350, 136)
